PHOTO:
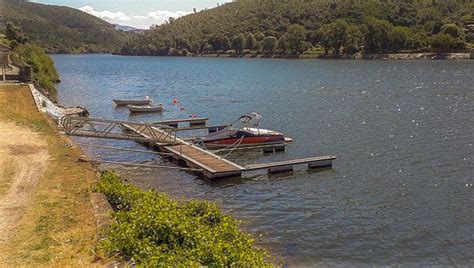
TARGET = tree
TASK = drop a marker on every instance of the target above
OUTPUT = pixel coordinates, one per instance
(376, 35)
(225, 43)
(432, 27)
(215, 42)
(399, 37)
(282, 43)
(442, 42)
(207, 48)
(354, 40)
(339, 35)
(324, 35)
(182, 43)
(250, 41)
(183, 52)
(196, 47)
(417, 41)
(269, 44)
(333, 35)
(238, 43)
(453, 30)
(14, 33)
(296, 35)
(258, 46)
(260, 37)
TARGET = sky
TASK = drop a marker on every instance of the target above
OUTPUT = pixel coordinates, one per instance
(137, 13)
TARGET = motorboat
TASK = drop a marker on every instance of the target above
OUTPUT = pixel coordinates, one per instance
(244, 132)
(145, 109)
(146, 101)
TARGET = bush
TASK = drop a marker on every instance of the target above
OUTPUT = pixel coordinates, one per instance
(152, 229)
(453, 30)
(183, 52)
(44, 71)
(442, 42)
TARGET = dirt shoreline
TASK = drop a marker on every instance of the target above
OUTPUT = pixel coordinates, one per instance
(23, 162)
(48, 214)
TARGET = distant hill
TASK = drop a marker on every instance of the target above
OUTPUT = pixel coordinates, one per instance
(61, 29)
(126, 28)
(293, 27)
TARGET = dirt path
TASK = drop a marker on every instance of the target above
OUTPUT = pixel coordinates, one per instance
(23, 160)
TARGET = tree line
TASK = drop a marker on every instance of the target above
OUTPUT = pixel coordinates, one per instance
(294, 27)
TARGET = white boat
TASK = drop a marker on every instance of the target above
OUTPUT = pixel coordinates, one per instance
(145, 109)
(146, 101)
(244, 132)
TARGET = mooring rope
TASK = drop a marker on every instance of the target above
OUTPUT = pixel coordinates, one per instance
(122, 149)
(148, 166)
(233, 149)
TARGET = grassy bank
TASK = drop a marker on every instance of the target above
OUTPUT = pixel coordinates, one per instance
(152, 229)
(58, 226)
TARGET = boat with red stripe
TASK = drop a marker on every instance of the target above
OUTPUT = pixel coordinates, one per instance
(245, 132)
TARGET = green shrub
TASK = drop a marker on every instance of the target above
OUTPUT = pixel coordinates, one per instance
(442, 42)
(152, 229)
(44, 71)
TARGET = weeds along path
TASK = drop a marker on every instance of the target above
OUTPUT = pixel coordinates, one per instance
(23, 160)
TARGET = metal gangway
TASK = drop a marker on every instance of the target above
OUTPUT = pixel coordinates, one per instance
(118, 130)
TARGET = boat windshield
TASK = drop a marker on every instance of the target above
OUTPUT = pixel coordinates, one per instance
(250, 120)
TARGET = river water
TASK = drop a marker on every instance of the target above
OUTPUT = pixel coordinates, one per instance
(400, 192)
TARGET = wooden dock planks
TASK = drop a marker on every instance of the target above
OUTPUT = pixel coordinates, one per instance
(310, 161)
(213, 166)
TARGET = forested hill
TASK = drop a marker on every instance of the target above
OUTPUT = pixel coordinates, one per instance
(297, 26)
(61, 29)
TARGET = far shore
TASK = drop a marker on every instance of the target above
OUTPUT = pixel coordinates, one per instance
(357, 56)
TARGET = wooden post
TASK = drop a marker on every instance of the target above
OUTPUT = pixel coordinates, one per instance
(3, 73)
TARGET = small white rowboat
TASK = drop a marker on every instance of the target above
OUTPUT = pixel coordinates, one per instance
(145, 109)
(146, 101)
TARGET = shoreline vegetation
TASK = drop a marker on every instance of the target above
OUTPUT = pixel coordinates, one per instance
(151, 229)
(314, 28)
(358, 56)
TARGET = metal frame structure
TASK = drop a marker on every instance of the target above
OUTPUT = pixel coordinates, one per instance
(116, 129)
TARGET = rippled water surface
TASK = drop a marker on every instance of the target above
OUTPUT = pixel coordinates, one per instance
(400, 191)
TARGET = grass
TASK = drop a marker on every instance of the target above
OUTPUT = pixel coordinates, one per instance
(59, 226)
(6, 181)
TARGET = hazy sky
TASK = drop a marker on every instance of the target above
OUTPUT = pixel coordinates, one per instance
(138, 13)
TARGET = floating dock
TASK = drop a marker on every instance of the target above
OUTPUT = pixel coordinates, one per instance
(162, 136)
(193, 156)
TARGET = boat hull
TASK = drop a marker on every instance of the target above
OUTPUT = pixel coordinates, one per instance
(132, 102)
(144, 109)
(246, 142)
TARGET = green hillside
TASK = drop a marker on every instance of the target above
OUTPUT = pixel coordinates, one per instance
(293, 27)
(61, 29)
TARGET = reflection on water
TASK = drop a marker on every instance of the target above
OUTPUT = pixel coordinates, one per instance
(399, 192)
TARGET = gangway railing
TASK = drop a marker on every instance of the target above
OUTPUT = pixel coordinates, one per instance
(118, 130)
